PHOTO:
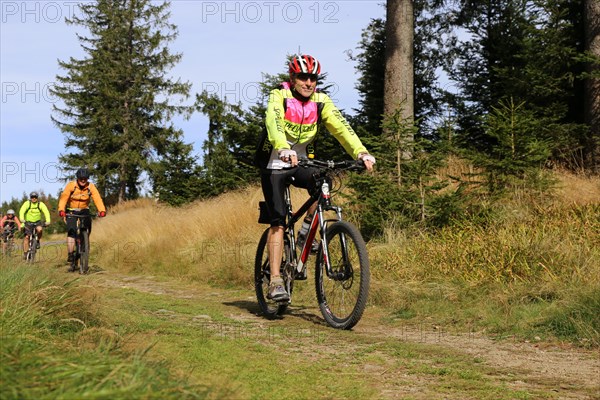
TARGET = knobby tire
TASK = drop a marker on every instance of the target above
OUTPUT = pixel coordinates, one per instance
(32, 248)
(343, 298)
(84, 252)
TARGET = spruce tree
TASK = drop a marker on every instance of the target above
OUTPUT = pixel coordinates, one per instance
(176, 176)
(524, 51)
(117, 101)
(229, 148)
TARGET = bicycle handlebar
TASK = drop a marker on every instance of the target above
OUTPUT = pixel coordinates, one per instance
(39, 223)
(81, 215)
(353, 165)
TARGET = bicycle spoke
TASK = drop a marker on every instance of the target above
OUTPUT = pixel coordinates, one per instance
(342, 293)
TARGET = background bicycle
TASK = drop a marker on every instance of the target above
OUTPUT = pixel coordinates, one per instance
(342, 270)
(82, 244)
(33, 241)
(8, 239)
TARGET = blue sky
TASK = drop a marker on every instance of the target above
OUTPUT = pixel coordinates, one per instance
(226, 46)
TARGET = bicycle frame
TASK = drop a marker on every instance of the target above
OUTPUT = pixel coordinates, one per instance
(318, 223)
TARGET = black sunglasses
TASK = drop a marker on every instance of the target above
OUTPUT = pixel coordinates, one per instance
(304, 77)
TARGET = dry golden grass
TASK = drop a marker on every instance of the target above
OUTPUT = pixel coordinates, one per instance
(578, 189)
(215, 240)
(456, 168)
(571, 188)
(207, 240)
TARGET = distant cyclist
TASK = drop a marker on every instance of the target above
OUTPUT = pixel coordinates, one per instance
(294, 112)
(75, 199)
(31, 214)
(9, 224)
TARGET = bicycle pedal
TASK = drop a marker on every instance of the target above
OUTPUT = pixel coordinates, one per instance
(286, 300)
(301, 276)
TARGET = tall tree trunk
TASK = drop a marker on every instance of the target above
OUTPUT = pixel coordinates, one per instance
(592, 109)
(399, 74)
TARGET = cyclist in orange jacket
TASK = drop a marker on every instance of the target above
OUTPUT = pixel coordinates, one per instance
(75, 199)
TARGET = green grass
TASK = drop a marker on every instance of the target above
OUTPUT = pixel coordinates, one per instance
(55, 344)
(61, 338)
(253, 360)
(244, 360)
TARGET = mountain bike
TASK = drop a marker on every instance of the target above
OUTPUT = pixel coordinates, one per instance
(8, 234)
(33, 241)
(342, 270)
(82, 244)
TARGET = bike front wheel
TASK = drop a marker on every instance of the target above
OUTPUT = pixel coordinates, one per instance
(262, 277)
(342, 292)
(10, 247)
(84, 252)
(33, 242)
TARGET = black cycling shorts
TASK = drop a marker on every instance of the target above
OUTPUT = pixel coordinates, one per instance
(72, 222)
(273, 182)
(30, 225)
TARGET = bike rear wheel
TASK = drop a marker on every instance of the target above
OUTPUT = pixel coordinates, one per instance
(343, 296)
(262, 277)
(84, 252)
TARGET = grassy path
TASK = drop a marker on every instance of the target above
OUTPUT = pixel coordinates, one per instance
(214, 338)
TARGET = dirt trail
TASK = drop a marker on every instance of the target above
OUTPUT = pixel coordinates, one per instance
(569, 372)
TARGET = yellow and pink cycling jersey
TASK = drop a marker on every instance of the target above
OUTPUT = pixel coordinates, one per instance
(293, 124)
